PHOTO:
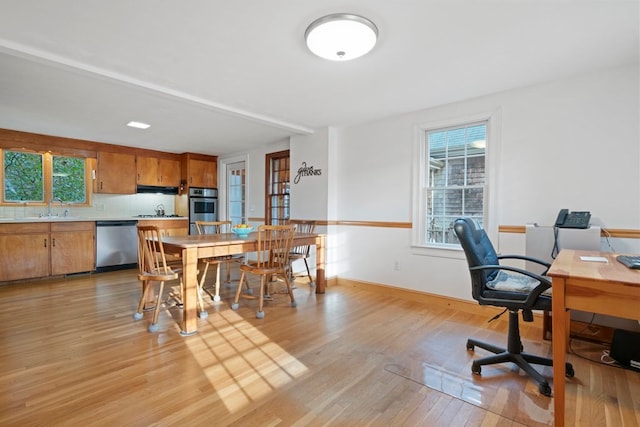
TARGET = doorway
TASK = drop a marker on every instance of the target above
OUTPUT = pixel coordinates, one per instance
(236, 189)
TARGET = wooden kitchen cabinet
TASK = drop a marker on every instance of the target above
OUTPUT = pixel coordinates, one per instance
(73, 248)
(24, 251)
(39, 249)
(169, 172)
(116, 173)
(199, 170)
(154, 171)
(168, 227)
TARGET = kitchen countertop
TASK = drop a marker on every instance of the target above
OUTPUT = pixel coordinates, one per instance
(89, 218)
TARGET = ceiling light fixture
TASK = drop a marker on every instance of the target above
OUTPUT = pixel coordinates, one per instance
(138, 125)
(341, 36)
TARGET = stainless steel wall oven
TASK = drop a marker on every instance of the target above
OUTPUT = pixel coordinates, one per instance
(203, 206)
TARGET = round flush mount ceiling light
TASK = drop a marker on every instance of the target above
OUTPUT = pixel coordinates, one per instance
(341, 36)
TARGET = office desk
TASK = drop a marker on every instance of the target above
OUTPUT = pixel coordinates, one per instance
(193, 248)
(606, 288)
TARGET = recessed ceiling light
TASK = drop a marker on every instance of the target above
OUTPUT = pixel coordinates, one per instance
(138, 125)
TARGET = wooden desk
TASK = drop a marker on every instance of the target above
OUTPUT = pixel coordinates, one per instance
(193, 248)
(607, 288)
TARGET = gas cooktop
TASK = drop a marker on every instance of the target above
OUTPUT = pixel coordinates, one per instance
(159, 216)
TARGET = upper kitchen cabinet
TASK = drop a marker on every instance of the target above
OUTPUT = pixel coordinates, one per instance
(157, 171)
(199, 170)
(116, 173)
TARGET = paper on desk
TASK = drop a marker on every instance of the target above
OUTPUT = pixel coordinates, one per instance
(594, 259)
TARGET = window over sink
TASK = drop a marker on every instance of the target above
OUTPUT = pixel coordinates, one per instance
(30, 177)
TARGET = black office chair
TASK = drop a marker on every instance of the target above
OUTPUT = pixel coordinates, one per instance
(514, 289)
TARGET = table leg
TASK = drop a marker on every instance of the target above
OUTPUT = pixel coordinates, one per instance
(189, 291)
(320, 265)
(559, 330)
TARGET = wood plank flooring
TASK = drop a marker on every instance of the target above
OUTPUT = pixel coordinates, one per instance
(72, 354)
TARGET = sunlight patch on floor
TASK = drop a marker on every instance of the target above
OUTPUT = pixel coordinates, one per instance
(248, 366)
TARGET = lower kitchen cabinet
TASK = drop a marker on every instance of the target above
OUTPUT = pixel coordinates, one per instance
(168, 227)
(24, 251)
(72, 247)
(31, 250)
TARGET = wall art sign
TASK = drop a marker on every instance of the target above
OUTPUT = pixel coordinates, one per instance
(305, 170)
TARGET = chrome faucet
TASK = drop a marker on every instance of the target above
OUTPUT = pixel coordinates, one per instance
(54, 199)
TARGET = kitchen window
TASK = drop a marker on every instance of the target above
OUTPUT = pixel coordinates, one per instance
(452, 180)
(30, 177)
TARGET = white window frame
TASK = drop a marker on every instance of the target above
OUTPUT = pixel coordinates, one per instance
(421, 169)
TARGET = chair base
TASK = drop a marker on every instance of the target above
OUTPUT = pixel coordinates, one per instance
(513, 353)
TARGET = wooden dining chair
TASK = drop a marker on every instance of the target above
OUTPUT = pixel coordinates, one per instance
(152, 268)
(301, 252)
(274, 246)
(216, 227)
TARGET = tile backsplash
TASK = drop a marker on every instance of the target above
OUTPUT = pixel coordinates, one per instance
(103, 206)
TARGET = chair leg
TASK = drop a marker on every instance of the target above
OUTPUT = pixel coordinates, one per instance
(216, 297)
(145, 290)
(234, 305)
(306, 264)
(154, 323)
(228, 272)
(204, 276)
(202, 313)
(290, 290)
(260, 313)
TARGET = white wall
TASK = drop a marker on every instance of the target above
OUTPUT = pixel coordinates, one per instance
(572, 143)
(310, 193)
(565, 144)
(255, 179)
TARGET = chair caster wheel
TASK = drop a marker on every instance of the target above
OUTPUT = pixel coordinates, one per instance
(137, 316)
(545, 389)
(215, 298)
(154, 328)
(294, 304)
(476, 369)
(260, 315)
(234, 306)
(203, 314)
(568, 370)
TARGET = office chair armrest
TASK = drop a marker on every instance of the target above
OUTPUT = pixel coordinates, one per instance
(528, 258)
(535, 292)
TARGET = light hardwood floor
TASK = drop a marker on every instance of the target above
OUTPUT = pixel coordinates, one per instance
(73, 355)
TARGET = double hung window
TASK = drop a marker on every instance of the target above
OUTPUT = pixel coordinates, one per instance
(452, 181)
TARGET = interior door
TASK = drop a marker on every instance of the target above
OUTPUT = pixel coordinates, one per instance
(236, 189)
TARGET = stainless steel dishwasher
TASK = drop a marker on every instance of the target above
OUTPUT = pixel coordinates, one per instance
(116, 245)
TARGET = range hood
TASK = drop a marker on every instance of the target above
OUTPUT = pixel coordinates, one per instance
(154, 189)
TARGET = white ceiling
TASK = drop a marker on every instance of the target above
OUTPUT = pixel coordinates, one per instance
(221, 77)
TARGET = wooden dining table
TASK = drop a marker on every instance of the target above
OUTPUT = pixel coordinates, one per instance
(195, 247)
